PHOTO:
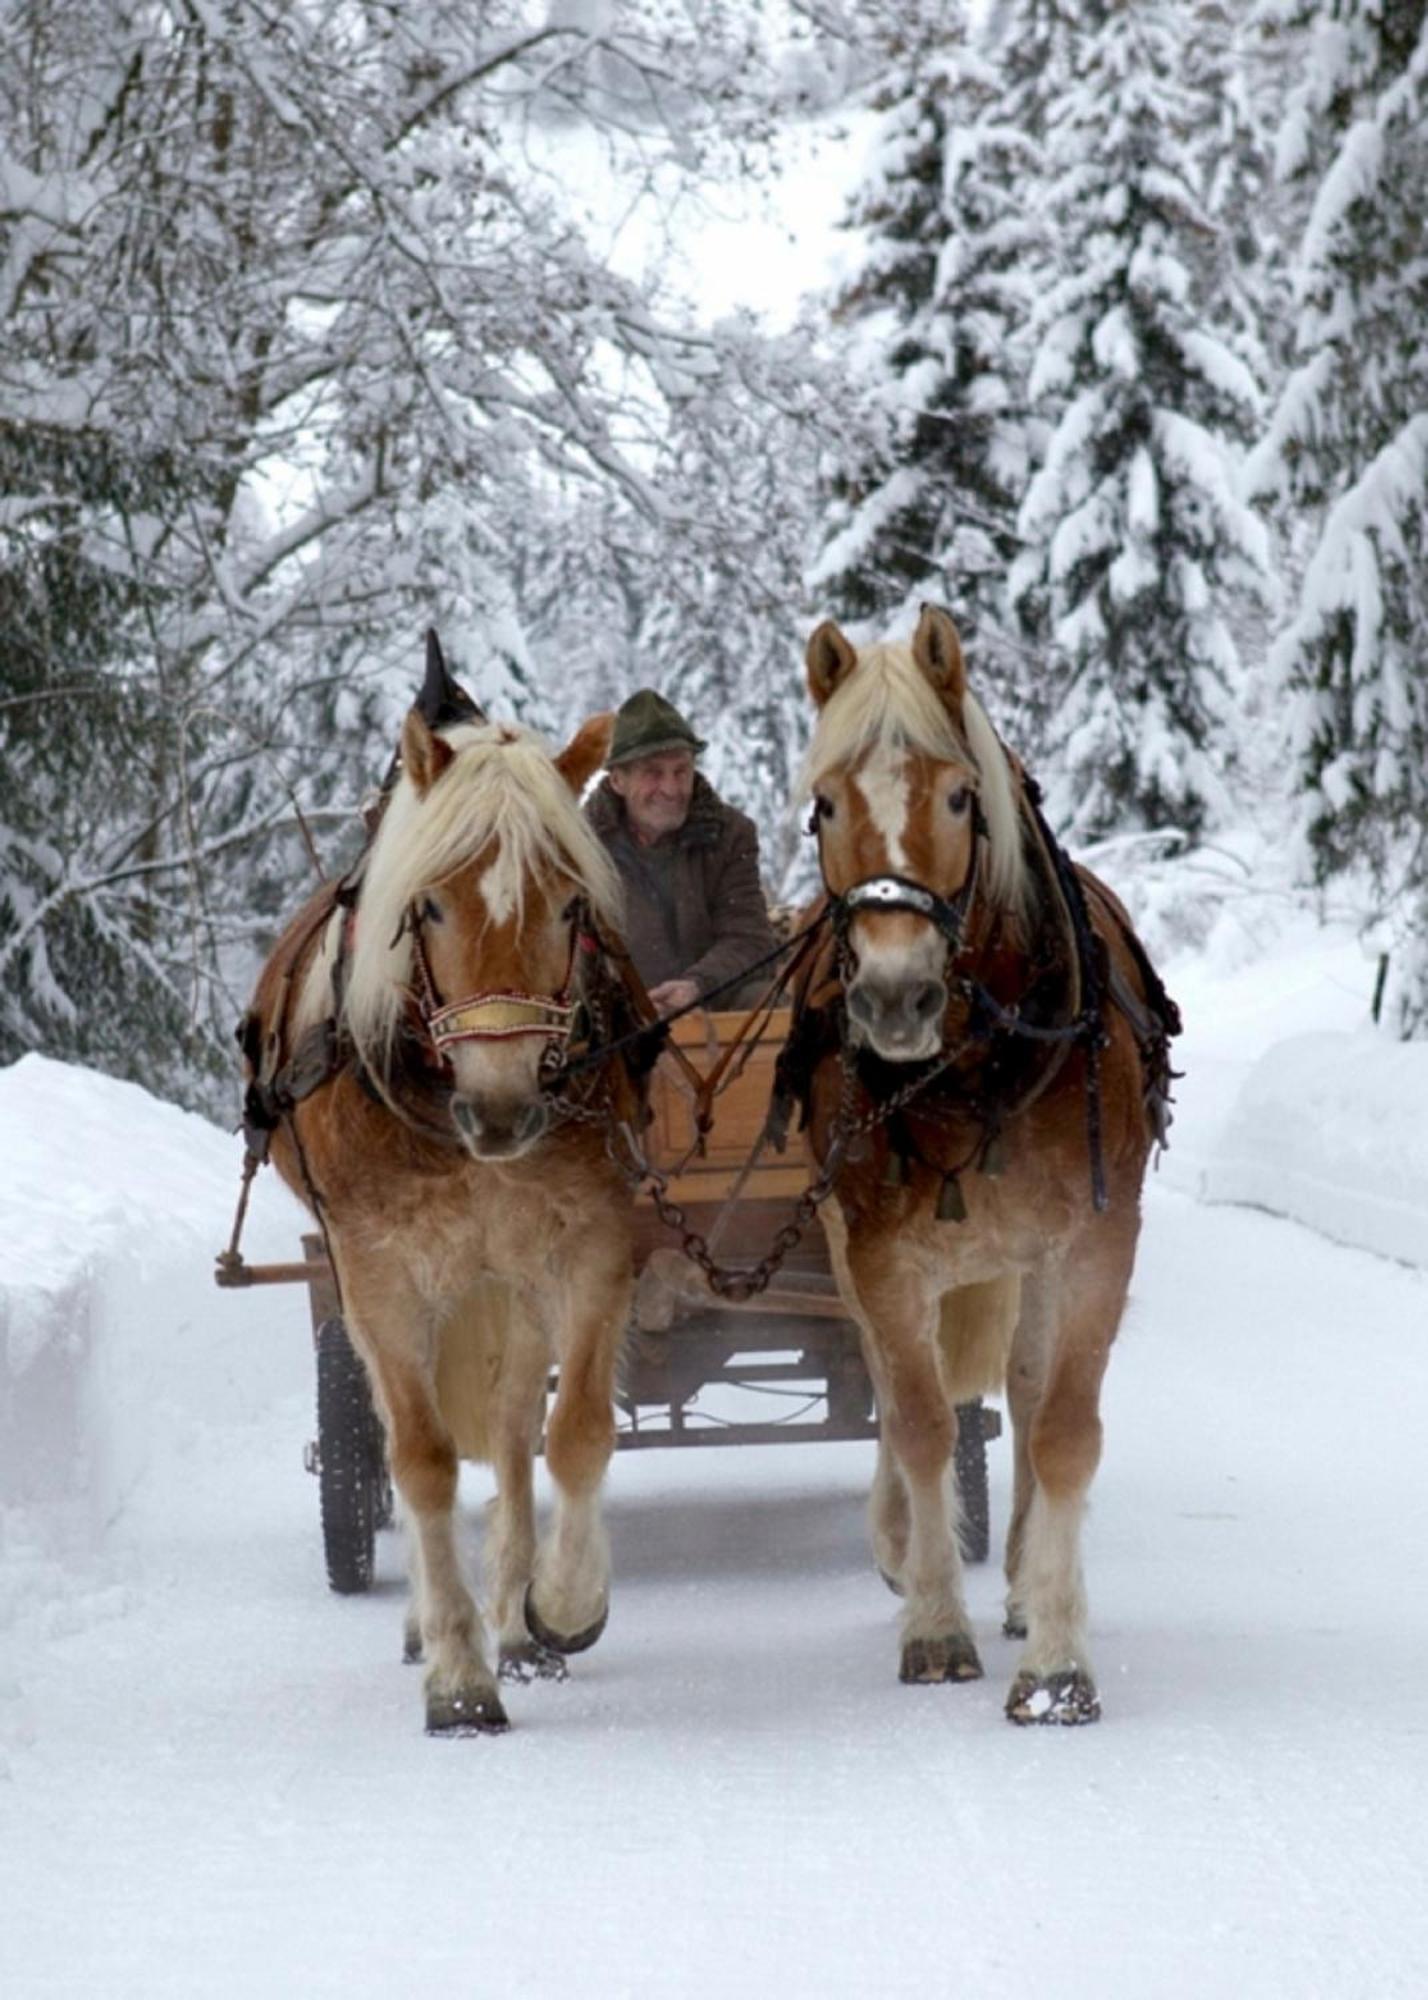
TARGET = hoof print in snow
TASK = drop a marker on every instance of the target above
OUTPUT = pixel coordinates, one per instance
(557, 1642)
(928, 1661)
(465, 1715)
(1067, 1698)
(531, 1661)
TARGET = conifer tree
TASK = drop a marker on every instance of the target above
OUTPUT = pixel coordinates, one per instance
(1347, 446)
(923, 504)
(1135, 538)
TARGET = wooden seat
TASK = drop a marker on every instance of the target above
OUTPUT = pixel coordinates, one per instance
(739, 1114)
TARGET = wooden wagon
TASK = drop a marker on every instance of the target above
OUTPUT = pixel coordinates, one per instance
(783, 1367)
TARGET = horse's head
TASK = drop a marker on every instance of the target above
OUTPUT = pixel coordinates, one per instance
(475, 909)
(916, 818)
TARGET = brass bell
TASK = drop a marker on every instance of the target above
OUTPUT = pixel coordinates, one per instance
(951, 1204)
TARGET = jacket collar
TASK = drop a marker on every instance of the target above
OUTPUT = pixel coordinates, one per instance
(606, 813)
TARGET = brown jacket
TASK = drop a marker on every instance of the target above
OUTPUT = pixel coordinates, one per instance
(694, 903)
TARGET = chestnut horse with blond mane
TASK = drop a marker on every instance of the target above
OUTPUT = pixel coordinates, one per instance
(982, 1056)
(403, 1048)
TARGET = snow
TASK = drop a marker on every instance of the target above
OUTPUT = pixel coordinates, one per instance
(212, 1773)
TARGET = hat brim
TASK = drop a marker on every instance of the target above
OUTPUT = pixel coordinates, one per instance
(693, 744)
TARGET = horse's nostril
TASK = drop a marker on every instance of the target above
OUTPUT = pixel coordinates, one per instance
(463, 1112)
(859, 1005)
(929, 1000)
(531, 1122)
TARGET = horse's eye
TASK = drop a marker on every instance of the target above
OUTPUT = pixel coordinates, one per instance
(959, 800)
(431, 911)
(823, 807)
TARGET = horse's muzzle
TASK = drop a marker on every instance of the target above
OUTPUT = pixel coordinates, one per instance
(499, 1131)
(902, 1021)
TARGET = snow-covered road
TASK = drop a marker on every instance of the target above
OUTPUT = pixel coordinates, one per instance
(218, 1783)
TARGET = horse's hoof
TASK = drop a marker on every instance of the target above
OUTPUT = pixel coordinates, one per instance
(1068, 1698)
(412, 1651)
(557, 1642)
(1014, 1625)
(470, 1714)
(927, 1661)
(891, 1581)
(529, 1660)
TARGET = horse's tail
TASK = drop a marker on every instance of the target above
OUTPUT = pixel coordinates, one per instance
(480, 1340)
(975, 1337)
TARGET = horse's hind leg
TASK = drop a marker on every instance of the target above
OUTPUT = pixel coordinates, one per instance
(510, 1534)
(1054, 1680)
(888, 1517)
(397, 1336)
(1026, 1379)
(569, 1598)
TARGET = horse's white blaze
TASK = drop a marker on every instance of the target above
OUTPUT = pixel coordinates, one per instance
(500, 887)
(882, 780)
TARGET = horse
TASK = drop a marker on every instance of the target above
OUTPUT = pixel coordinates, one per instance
(982, 1059)
(407, 1060)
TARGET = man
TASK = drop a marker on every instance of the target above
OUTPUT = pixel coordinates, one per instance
(689, 862)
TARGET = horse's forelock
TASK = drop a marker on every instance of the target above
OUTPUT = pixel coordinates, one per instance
(887, 700)
(501, 787)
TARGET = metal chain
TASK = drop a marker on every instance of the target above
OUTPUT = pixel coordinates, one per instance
(745, 1283)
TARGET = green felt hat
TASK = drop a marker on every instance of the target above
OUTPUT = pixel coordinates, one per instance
(646, 725)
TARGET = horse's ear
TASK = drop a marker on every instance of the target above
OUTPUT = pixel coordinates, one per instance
(831, 659)
(425, 755)
(586, 751)
(938, 653)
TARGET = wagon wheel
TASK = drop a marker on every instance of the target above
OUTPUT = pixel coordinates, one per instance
(971, 1469)
(354, 1489)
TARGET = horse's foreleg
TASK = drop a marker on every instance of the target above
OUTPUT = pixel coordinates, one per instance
(1054, 1681)
(396, 1336)
(569, 1598)
(919, 1429)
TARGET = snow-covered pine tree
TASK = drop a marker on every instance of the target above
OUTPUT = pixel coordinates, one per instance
(1244, 271)
(1347, 446)
(922, 496)
(295, 344)
(1135, 538)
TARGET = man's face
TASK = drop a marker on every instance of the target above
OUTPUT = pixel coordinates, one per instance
(656, 791)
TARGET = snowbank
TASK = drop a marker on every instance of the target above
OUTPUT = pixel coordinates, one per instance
(110, 1200)
(1332, 1130)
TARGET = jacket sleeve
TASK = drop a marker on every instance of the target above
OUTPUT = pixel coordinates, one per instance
(738, 914)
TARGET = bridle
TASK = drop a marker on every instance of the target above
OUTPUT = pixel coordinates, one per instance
(949, 914)
(501, 1014)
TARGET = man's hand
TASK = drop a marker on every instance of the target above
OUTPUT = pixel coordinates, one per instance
(673, 994)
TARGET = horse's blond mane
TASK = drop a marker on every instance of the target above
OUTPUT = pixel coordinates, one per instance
(501, 785)
(887, 699)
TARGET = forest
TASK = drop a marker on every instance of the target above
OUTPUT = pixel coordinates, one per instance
(319, 325)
